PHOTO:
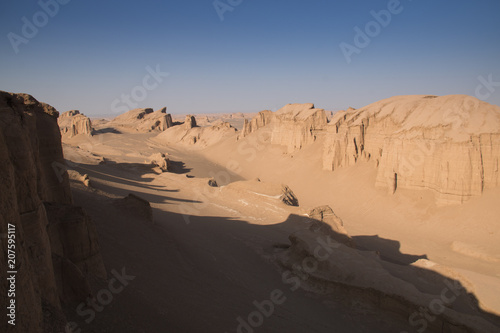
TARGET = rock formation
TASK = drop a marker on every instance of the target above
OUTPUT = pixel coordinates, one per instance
(262, 119)
(74, 244)
(30, 147)
(144, 120)
(190, 122)
(82, 178)
(136, 206)
(328, 223)
(296, 125)
(449, 144)
(161, 161)
(199, 136)
(73, 123)
(326, 266)
(212, 182)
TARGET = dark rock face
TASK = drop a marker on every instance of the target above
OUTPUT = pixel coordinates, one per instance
(190, 122)
(73, 236)
(212, 182)
(136, 206)
(30, 151)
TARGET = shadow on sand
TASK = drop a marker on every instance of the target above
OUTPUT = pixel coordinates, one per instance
(388, 249)
(125, 178)
(206, 275)
(178, 167)
(106, 130)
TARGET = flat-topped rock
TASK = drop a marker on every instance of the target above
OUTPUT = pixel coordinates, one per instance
(295, 125)
(449, 144)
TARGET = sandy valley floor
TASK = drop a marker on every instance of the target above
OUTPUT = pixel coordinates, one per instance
(208, 255)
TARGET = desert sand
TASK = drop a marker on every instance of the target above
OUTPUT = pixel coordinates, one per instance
(381, 219)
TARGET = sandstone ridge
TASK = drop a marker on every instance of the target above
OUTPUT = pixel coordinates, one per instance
(56, 243)
(449, 144)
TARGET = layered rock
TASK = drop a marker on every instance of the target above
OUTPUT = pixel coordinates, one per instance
(144, 120)
(449, 144)
(30, 151)
(190, 122)
(296, 125)
(73, 123)
(262, 119)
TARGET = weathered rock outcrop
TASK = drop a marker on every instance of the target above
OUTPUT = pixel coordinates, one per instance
(212, 182)
(73, 123)
(136, 206)
(296, 125)
(30, 147)
(161, 161)
(75, 250)
(330, 224)
(449, 144)
(199, 136)
(144, 120)
(326, 266)
(262, 119)
(190, 122)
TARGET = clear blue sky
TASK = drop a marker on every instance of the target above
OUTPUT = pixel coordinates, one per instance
(263, 55)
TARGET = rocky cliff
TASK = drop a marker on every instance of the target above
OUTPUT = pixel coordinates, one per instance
(296, 125)
(73, 123)
(31, 163)
(262, 119)
(449, 144)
